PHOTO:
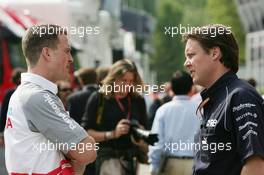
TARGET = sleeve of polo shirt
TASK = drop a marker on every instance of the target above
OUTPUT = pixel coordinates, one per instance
(248, 119)
(45, 114)
(156, 152)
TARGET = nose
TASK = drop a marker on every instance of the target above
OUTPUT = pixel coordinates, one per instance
(187, 63)
(70, 59)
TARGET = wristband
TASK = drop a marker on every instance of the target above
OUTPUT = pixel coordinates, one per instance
(108, 135)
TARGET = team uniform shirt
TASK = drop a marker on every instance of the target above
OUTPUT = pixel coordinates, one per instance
(38, 130)
(232, 127)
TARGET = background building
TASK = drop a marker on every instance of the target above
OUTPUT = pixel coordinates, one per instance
(251, 13)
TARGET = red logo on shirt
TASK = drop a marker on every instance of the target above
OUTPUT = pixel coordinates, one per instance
(9, 123)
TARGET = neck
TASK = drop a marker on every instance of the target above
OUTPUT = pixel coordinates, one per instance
(41, 72)
(218, 74)
(120, 95)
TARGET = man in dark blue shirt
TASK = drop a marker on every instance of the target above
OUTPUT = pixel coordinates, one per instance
(231, 137)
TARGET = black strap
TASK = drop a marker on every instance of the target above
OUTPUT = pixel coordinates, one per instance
(100, 109)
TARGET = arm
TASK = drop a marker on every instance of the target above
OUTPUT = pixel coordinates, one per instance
(254, 165)
(85, 152)
(79, 158)
(46, 113)
(143, 120)
(156, 151)
(122, 128)
(89, 122)
(247, 111)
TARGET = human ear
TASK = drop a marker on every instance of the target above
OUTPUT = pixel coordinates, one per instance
(216, 53)
(46, 53)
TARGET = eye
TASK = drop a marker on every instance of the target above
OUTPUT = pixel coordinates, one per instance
(68, 50)
(190, 55)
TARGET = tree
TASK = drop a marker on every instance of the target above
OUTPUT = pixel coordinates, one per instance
(226, 14)
(168, 55)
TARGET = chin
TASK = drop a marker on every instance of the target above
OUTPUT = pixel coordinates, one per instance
(196, 82)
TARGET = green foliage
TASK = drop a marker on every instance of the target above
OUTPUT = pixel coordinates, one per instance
(169, 55)
(226, 13)
(169, 50)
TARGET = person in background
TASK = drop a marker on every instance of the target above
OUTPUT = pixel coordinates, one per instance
(64, 91)
(168, 93)
(16, 79)
(195, 94)
(107, 118)
(101, 73)
(77, 101)
(156, 103)
(76, 82)
(252, 82)
(176, 123)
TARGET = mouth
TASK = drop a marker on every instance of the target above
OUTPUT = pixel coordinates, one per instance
(192, 73)
(68, 67)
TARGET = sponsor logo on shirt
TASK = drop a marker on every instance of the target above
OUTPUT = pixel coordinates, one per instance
(57, 110)
(241, 106)
(211, 123)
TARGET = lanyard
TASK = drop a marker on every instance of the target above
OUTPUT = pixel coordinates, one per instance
(123, 108)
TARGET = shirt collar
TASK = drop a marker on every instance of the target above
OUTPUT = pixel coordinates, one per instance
(223, 81)
(39, 80)
(90, 86)
(181, 97)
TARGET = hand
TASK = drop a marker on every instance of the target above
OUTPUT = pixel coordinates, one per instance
(78, 167)
(122, 128)
(140, 143)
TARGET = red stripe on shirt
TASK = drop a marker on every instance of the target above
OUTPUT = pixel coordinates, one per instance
(64, 169)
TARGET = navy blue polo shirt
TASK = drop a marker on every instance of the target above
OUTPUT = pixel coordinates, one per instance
(232, 127)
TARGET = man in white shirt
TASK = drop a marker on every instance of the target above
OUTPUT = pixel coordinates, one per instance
(176, 124)
(40, 136)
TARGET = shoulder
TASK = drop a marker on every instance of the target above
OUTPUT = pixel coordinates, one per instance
(165, 107)
(76, 95)
(138, 98)
(95, 96)
(31, 95)
(242, 90)
(176, 105)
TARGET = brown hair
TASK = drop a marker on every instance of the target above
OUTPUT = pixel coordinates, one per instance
(117, 70)
(102, 73)
(87, 75)
(37, 37)
(217, 35)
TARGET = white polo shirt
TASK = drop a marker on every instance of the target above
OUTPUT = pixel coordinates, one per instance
(38, 129)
